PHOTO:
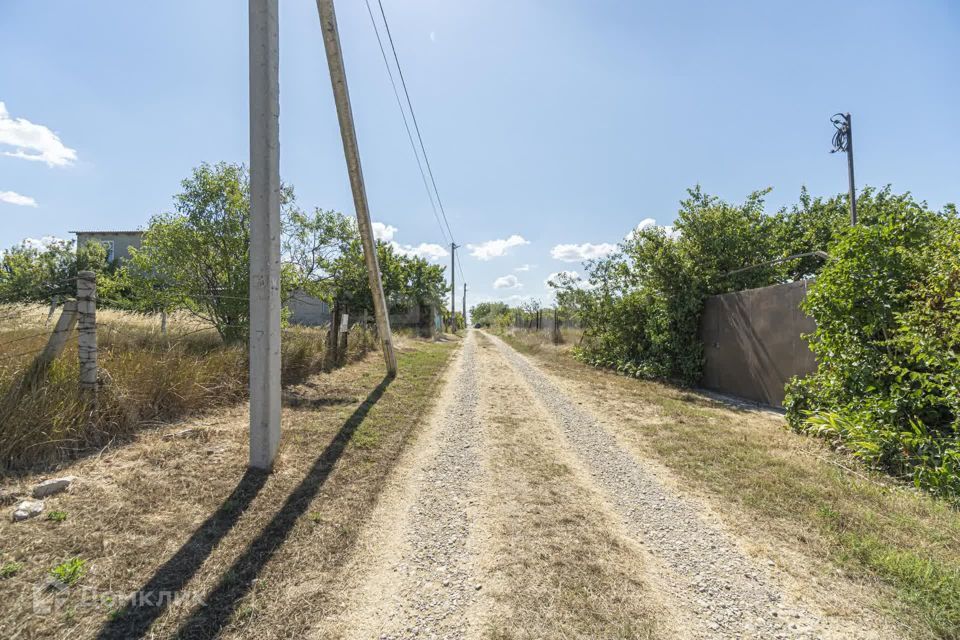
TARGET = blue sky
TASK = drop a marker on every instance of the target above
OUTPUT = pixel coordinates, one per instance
(549, 124)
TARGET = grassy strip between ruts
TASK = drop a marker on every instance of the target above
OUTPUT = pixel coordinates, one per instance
(208, 548)
(901, 545)
(563, 568)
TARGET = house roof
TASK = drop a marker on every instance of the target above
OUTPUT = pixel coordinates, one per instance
(108, 233)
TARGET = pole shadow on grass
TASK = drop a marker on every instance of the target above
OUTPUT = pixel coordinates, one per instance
(208, 619)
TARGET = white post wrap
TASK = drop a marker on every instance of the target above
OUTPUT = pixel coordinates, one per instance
(264, 233)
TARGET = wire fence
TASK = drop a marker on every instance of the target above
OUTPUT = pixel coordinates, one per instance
(147, 368)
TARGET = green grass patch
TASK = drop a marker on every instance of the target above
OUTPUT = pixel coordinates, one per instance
(418, 370)
(70, 572)
(10, 569)
(57, 516)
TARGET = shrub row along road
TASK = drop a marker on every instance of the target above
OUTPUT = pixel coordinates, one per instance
(519, 514)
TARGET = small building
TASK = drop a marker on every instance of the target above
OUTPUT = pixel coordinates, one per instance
(306, 310)
(117, 243)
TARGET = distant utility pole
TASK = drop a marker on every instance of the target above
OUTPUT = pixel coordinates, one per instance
(464, 303)
(453, 287)
(338, 78)
(264, 233)
(843, 141)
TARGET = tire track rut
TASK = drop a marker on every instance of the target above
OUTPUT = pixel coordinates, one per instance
(729, 594)
(428, 580)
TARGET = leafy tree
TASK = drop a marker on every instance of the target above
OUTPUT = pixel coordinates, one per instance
(32, 274)
(197, 257)
(337, 271)
(486, 313)
(886, 306)
(811, 225)
(641, 306)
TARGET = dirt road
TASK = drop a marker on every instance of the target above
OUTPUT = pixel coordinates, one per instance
(519, 514)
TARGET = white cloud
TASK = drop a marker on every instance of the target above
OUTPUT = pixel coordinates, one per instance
(582, 252)
(429, 251)
(525, 267)
(556, 274)
(383, 232)
(426, 250)
(646, 223)
(44, 243)
(507, 282)
(12, 197)
(495, 248)
(433, 36)
(33, 141)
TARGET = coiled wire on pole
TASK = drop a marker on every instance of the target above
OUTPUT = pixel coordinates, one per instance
(841, 137)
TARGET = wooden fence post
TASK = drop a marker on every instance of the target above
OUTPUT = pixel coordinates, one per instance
(87, 329)
(333, 337)
(343, 338)
(364, 333)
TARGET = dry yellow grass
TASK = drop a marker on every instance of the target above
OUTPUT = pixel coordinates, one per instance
(147, 378)
(183, 515)
(562, 566)
(542, 343)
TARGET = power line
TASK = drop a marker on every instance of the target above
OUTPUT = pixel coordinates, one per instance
(406, 124)
(413, 116)
(448, 236)
(416, 126)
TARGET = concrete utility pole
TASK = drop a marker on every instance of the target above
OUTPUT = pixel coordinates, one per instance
(264, 233)
(87, 329)
(351, 151)
(453, 287)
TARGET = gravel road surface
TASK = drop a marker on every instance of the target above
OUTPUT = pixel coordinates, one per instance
(430, 582)
(730, 594)
(429, 562)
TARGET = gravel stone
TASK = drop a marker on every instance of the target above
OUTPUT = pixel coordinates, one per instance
(438, 584)
(725, 590)
(52, 486)
(27, 509)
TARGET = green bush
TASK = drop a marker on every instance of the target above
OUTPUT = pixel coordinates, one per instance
(641, 310)
(887, 309)
(886, 304)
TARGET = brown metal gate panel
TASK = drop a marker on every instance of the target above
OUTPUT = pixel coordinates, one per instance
(752, 343)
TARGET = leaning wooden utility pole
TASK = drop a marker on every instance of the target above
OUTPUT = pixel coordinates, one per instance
(264, 233)
(453, 287)
(341, 95)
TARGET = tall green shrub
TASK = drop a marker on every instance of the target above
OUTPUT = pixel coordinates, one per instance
(887, 311)
(641, 310)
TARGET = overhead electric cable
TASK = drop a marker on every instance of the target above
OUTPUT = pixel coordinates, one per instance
(413, 115)
(406, 125)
